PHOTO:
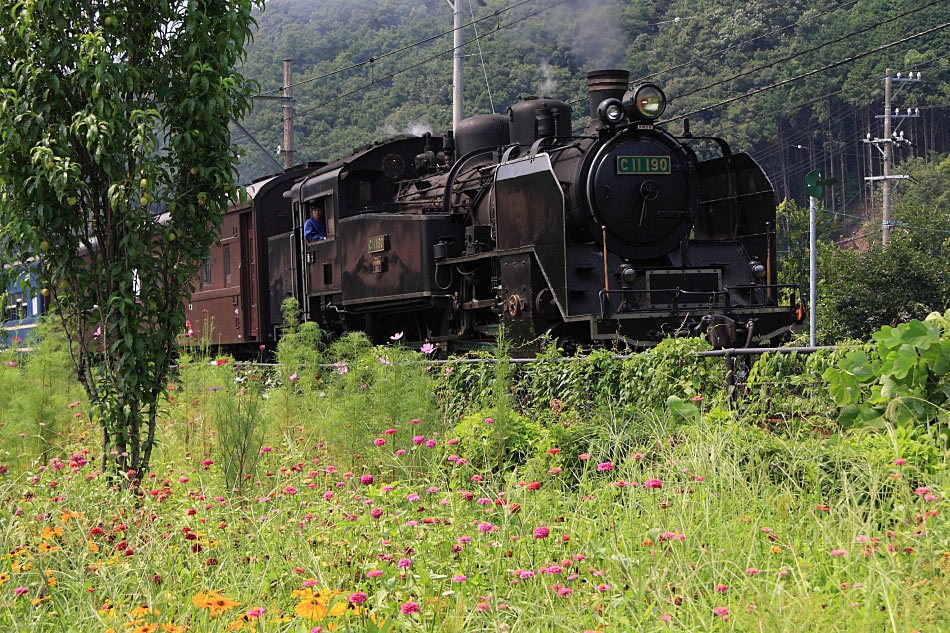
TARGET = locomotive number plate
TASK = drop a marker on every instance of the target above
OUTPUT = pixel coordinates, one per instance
(643, 164)
(378, 243)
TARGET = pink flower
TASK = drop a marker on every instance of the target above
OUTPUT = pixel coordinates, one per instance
(373, 573)
(485, 527)
(293, 376)
(379, 441)
(752, 571)
(256, 612)
(401, 451)
(403, 563)
(358, 597)
(409, 607)
(389, 432)
(837, 552)
(366, 480)
(697, 398)
(722, 588)
(19, 591)
(721, 611)
(900, 461)
(428, 348)
(396, 336)
(489, 420)
(384, 361)
(605, 466)
(583, 457)
(376, 513)
(921, 491)
(541, 532)
(459, 578)
(430, 443)
(653, 483)
(637, 456)
(419, 439)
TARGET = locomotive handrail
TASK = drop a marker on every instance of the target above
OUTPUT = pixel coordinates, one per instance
(607, 308)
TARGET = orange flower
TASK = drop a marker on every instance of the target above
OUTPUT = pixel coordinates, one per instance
(36, 601)
(68, 514)
(145, 628)
(174, 628)
(46, 547)
(215, 603)
(4, 578)
(142, 610)
(49, 533)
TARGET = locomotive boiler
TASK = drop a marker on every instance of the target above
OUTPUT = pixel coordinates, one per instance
(619, 233)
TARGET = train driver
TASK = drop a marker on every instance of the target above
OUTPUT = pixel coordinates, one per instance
(315, 228)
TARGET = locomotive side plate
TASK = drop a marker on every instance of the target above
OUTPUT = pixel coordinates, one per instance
(627, 165)
(378, 243)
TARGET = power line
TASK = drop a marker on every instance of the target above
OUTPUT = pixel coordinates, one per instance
(376, 58)
(805, 51)
(758, 37)
(416, 65)
(809, 73)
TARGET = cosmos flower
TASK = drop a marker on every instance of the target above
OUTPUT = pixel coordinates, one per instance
(396, 336)
(428, 348)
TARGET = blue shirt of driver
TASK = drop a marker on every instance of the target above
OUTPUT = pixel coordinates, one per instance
(314, 230)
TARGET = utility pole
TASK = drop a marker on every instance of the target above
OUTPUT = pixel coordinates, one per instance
(457, 56)
(888, 154)
(288, 103)
(812, 269)
(886, 145)
(286, 99)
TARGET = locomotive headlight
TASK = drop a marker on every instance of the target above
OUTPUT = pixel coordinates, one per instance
(646, 101)
(611, 111)
(758, 270)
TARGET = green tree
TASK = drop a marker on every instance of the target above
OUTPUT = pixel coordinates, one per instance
(115, 160)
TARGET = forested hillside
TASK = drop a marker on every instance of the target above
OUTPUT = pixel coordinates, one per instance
(685, 45)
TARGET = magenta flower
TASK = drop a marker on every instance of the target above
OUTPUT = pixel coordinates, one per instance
(256, 612)
(366, 480)
(358, 597)
(459, 578)
(403, 563)
(409, 607)
(722, 588)
(419, 439)
(653, 483)
(430, 443)
(19, 591)
(541, 532)
(293, 376)
(379, 441)
(373, 573)
(721, 611)
(605, 466)
(837, 552)
(389, 432)
(900, 461)
(485, 527)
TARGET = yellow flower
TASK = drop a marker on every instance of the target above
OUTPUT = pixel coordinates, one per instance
(241, 623)
(775, 549)
(46, 547)
(4, 578)
(145, 628)
(301, 593)
(36, 601)
(174, 628)
(142, 610)
(311, 608)
(93, 547)
(18, 566)
(51, 581)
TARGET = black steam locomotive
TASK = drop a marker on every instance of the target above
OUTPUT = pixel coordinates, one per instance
(619, 234)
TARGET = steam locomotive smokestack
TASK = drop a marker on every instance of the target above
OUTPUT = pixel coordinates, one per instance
(606, 84)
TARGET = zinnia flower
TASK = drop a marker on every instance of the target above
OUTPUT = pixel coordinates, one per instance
(541, 532)
(409, 607)
(605, 466)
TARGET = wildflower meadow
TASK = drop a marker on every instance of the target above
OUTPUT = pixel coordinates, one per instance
(355, 487)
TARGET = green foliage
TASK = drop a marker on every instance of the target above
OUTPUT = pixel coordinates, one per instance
(491, 444)
(300, 349)
(37, 392)
(240, 432)
(901, 377)
(105, 127)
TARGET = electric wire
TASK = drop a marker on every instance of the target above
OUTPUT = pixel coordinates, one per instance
(376, 58)
(805, 51)
(413, 66)
(481, 57)
(809, 73)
